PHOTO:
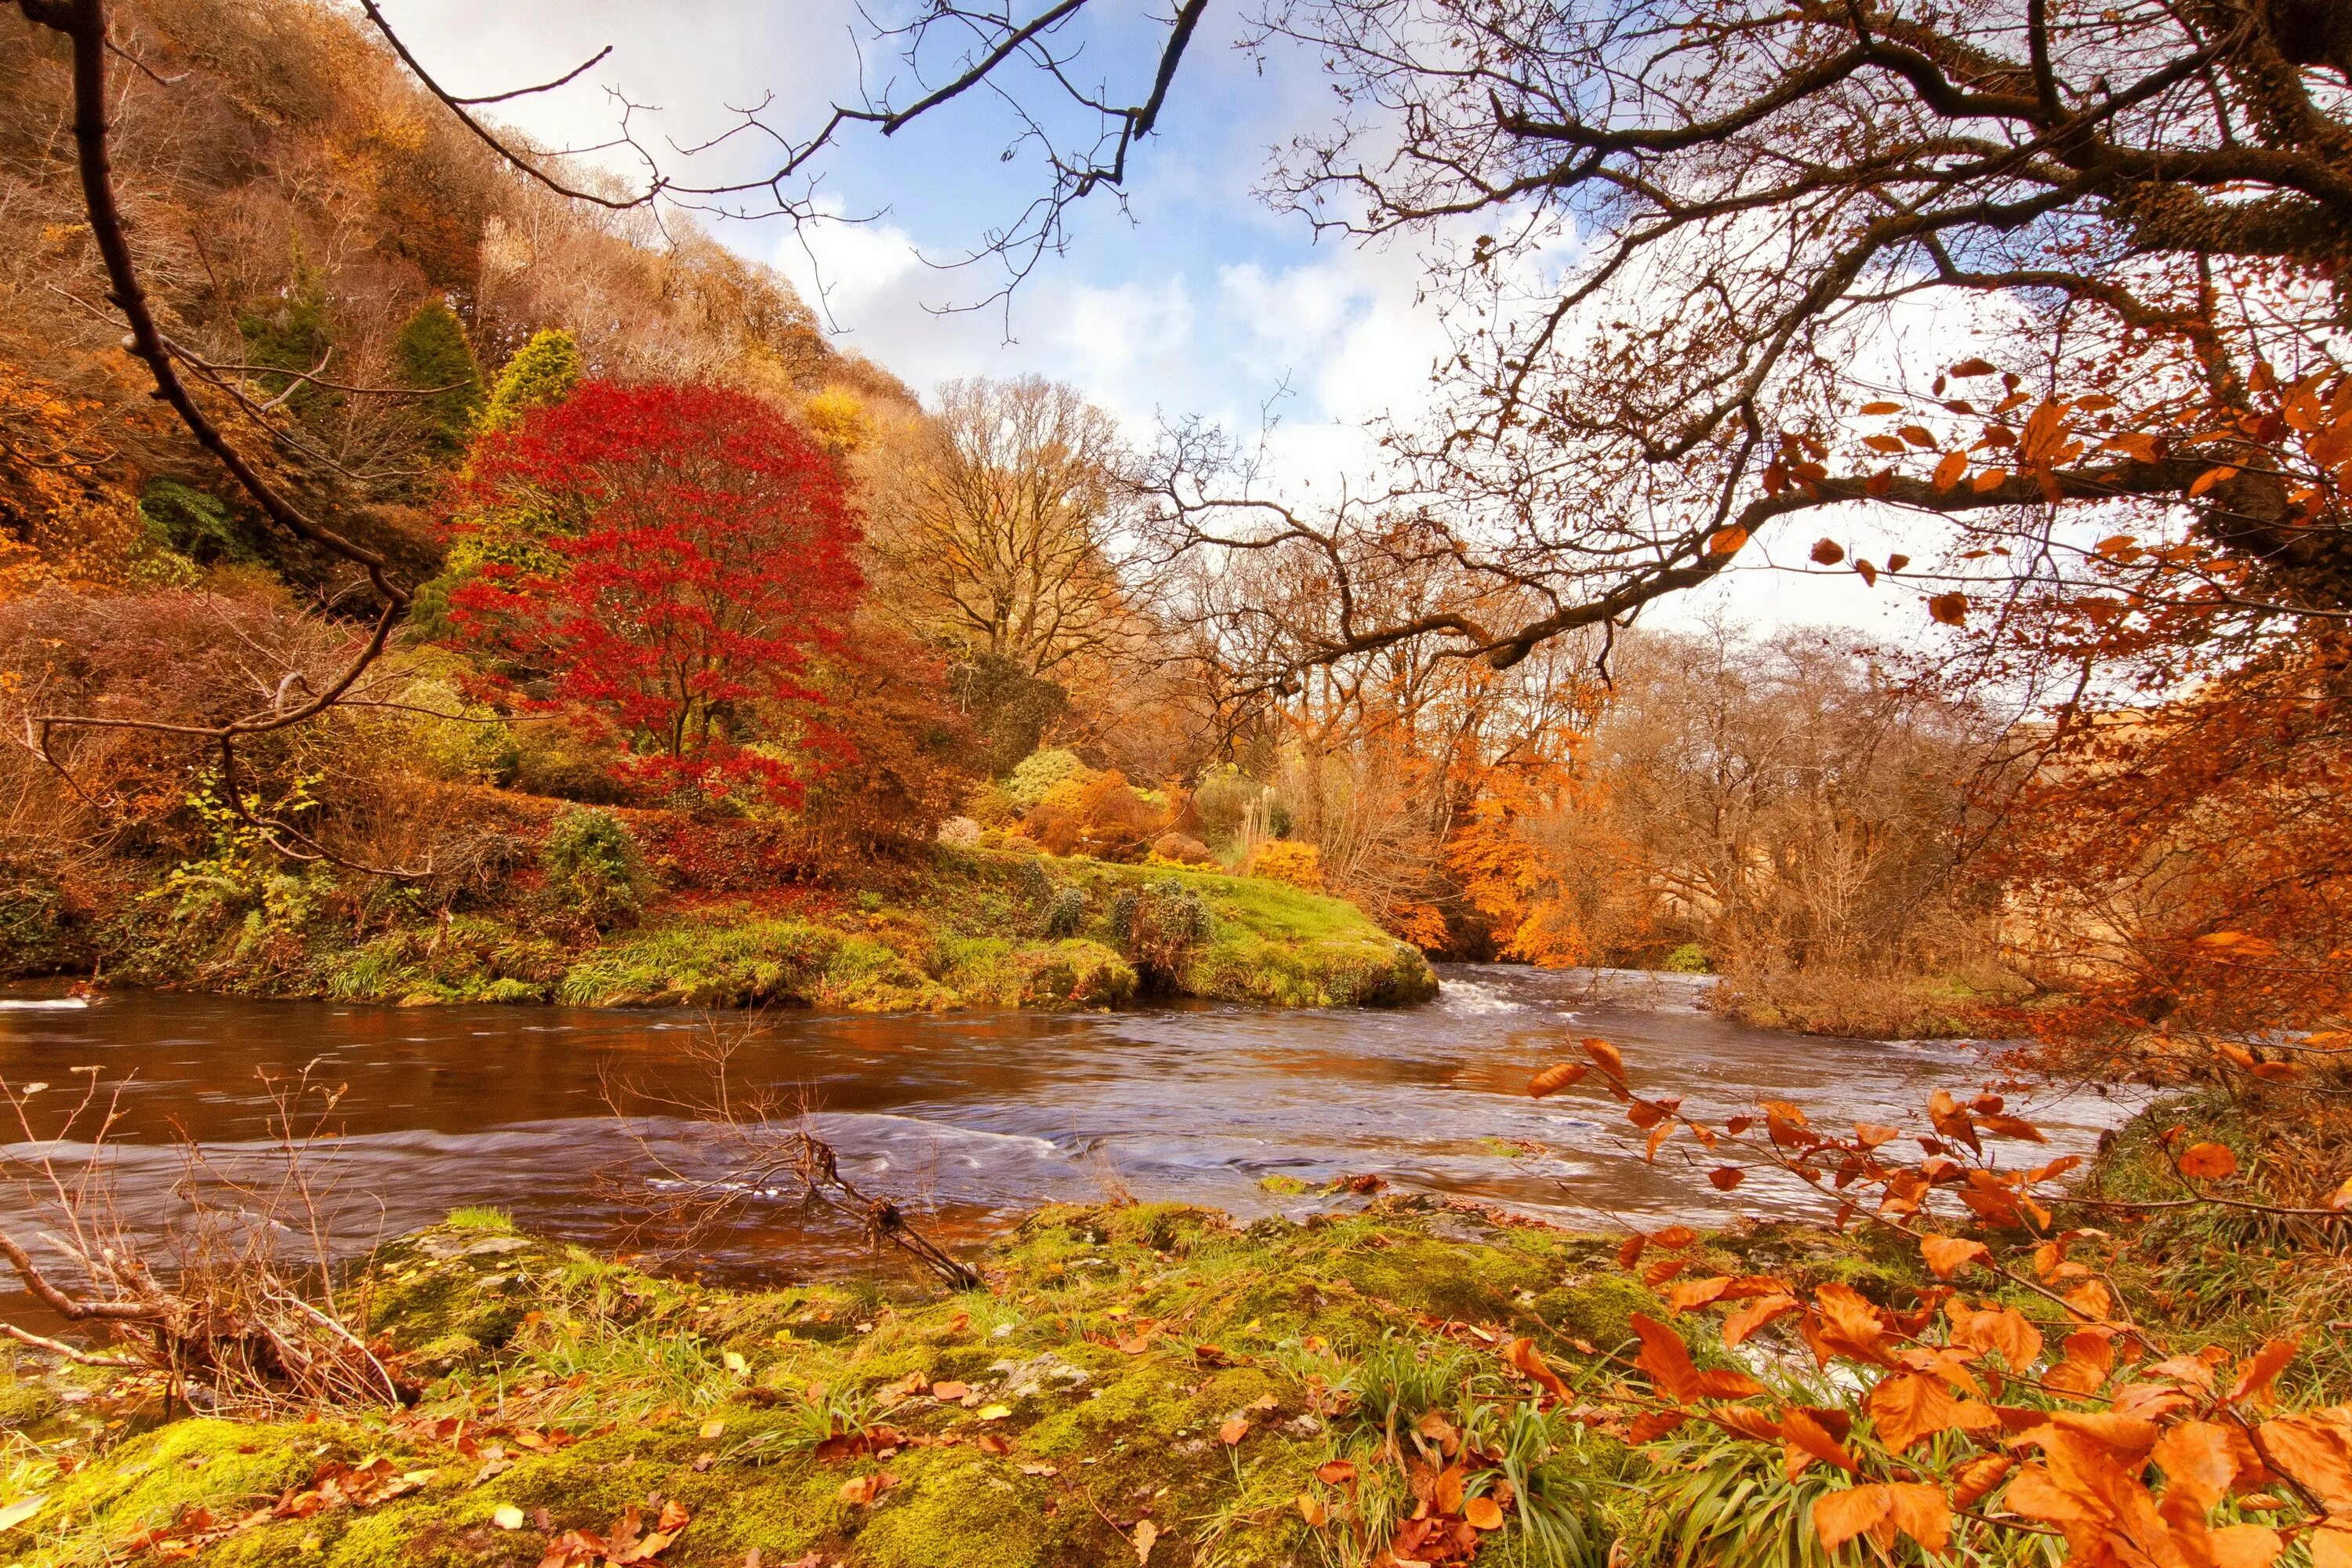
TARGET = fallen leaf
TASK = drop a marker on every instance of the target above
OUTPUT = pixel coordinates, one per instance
(2208, 1162)
(1482, 1514)
(1233, 1431)
(994, 1412)
(506, 1516)
(1312, 1511)
(1146, 1533)
(863, 1490)
(714, 1429)
(1337, 1473)
(1032, 1469)
(989, 1442)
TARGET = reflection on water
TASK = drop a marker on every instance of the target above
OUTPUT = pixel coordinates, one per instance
(972, 1118)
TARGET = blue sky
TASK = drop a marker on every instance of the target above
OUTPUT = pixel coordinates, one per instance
(1195, 299)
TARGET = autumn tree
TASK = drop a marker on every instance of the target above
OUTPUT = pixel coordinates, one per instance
(702, 561)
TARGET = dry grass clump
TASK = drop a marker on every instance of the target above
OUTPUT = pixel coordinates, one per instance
(1861, 1005)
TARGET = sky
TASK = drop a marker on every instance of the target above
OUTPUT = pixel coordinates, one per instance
(1192, 297)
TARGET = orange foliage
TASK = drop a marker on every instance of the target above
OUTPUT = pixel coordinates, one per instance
(1103, 816)
(1288, 860)
(2186, 874)
(2060, 1426)
(1542, 903)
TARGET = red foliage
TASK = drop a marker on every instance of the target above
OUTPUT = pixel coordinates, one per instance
(703, 550)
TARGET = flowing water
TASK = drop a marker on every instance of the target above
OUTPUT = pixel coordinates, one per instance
(967, 1119)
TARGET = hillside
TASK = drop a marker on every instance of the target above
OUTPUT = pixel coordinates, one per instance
(298, 204)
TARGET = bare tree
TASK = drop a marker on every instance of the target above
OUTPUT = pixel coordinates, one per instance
(1000, 526)
(2142, 204)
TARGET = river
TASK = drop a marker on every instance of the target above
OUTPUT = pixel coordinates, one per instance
(967, 1119)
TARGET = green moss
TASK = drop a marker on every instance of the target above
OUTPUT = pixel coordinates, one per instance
(703, 963)
(146, 1482)
(1113, 1346)
(969, 929)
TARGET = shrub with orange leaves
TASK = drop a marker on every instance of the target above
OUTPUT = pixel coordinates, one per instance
(1096, 814)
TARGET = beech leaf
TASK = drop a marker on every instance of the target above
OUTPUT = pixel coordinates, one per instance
(2208, 1162)
(1555, 1078)
(1948, 1255)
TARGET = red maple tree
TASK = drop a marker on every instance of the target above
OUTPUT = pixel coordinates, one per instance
(698, 556)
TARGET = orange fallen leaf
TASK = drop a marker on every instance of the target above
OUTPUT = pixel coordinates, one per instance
(1233, 1431)
(860, 1491)
(1482, 1514)
(2208, 1162)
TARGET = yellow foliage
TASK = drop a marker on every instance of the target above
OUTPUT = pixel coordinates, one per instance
(837, 419)
(1288, 860)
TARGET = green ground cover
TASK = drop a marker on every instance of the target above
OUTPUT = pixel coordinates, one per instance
(961, 929)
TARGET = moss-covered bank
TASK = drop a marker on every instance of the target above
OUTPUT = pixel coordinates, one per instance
(1126, 1366)
(960, 929)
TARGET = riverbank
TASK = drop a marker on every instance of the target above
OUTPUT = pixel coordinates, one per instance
(1414, 1379)
(953, 928)
(1145, 1381)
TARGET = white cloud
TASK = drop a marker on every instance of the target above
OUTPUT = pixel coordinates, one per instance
(849, 272)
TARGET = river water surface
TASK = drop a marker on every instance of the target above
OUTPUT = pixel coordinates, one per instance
(967, 1119)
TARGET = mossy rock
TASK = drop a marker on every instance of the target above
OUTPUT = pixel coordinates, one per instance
(1073, 973)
